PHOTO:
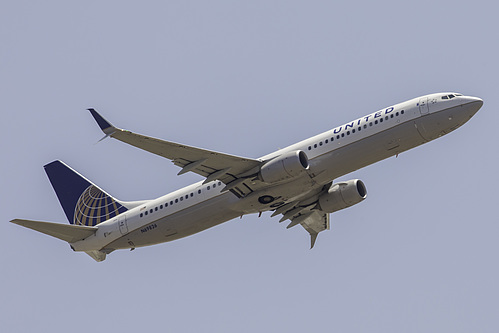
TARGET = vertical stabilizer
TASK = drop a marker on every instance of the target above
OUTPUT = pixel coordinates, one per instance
(83, 202)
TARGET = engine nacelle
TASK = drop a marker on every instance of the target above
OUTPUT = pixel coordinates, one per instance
(286, 166)
(342, 195)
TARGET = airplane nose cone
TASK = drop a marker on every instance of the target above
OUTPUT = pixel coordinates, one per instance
(472, 104)
(474, 100)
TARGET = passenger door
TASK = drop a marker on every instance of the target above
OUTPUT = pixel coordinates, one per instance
(423, 106)
(122, 224)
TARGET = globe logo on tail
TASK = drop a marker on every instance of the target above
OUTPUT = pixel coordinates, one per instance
(95, 206)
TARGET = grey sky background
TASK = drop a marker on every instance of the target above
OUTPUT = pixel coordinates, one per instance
(247, 78)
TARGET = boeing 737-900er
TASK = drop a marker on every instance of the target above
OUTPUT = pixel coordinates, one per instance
(296, 181)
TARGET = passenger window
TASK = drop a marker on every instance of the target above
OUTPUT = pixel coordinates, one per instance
(209, 187)
(171, 203)
(365, 126)
(376, 122)
(146, 212)
(381, 120)
(386, 118)
(192, 194)
(176, 200)
(348, 132)
(141, 214)
(402, 112)
(327, 141)
(156, 209)
(342, 135)
(320, 143)
(181, 198)
(199, 191)
(315, 146)
(150, 211)
(166, 204)
(161, 207)
(309, 148)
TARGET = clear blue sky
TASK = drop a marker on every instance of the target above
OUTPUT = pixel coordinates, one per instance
(419, 255)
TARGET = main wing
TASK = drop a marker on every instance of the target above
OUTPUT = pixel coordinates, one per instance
(230, 169)
(308, 216)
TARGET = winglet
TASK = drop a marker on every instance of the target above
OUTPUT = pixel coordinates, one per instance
(313, 238)
(104, 125)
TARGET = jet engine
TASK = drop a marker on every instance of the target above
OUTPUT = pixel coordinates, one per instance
(342, 195)
(286, 166)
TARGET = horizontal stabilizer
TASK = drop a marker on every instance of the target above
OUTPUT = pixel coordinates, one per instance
(97, 255)
(69, 233)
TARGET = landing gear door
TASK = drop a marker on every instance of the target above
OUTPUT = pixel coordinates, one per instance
(122, 224)
(423, 105)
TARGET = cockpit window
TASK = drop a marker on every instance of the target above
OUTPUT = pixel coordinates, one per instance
(451, 96)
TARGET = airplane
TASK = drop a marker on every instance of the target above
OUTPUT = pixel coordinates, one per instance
(296, 182)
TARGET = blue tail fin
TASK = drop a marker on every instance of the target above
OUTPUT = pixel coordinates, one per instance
(83, 202)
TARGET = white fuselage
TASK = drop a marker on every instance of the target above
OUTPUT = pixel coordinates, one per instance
(331, 154)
